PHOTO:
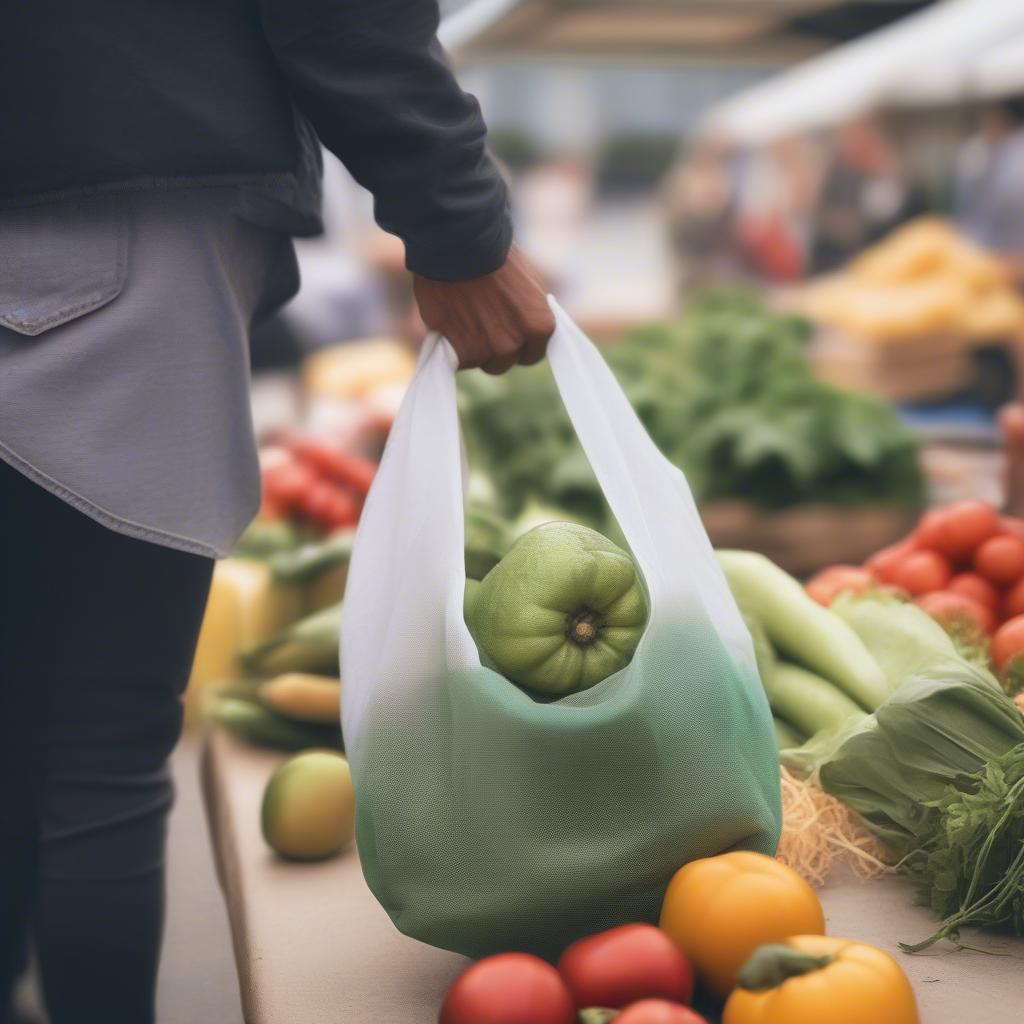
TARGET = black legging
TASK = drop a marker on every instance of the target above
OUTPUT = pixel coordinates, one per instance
(97, 634)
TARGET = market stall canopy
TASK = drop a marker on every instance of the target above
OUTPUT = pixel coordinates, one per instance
(738, 29)
(973, 73)
(883, 67)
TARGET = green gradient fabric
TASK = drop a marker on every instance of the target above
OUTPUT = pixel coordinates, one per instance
(488, 820)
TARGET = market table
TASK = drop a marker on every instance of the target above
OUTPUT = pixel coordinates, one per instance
(313, 947)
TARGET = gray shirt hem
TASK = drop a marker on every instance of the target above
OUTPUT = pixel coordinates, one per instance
(102, 516)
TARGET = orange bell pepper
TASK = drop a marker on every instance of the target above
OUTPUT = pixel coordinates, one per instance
(816, 979)
(720, 909)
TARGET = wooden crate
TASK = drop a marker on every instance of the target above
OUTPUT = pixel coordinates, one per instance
(909, 370)
(805, 538)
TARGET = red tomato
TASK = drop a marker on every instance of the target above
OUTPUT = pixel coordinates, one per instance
(959, 528)
(1013, 526)
(921, 572)
(343, 510)
(1013, 603)
(271, 511)
(658, 1011)
(828, 584)
(619, 966)
(1008, 643)
(510, 988)
(928, 534)
(350, 470)
(884, 563)
(319, 501)
(1001, 559)
(958, 612)
(288, 483)
(970, 584)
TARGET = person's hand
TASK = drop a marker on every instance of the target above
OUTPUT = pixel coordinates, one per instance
(494, 321)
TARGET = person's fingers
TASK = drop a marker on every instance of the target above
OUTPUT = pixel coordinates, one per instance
(471, 355)
(534, 349)
(500, 364)
(504, 353)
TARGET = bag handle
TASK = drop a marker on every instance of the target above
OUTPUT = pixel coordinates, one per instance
(409, 550)
(647, 494)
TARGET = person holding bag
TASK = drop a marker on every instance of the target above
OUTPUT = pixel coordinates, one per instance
(157, 159)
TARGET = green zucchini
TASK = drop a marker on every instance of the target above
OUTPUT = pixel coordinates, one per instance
(802, 629)
(257, 724)
(311, 560)
(785, 735)
(810, 703)
(309, 645)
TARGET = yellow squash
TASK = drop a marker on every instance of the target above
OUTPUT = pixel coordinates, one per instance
(815, 979)
(720, 909)
(306, 697)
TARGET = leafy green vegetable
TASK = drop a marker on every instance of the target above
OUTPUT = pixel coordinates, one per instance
(970, 869)
(937, 772)
(903, 639)
(727, 394)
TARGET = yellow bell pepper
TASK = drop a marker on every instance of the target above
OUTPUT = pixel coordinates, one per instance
(814, 979)
(720, 909)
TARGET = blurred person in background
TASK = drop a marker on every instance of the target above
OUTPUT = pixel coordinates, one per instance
(158, 158)
(988, 189)
(864, 194)
(777, 191)
(700, 200)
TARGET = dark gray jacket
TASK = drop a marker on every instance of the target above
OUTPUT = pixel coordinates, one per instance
(135, 93)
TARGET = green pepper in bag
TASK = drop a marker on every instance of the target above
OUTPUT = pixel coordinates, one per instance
(563, 610)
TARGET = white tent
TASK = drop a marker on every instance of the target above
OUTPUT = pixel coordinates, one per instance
(1000, 71)
(913, 60)
(741, 30)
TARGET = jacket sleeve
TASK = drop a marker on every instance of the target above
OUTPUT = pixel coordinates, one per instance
(374, 81)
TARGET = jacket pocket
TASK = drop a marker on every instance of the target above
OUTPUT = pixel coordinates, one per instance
(60, 260)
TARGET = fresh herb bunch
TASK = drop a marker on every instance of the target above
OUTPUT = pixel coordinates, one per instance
(970, 865)
(727, 394)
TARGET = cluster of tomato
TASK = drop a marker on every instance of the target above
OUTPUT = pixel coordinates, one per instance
(963, 564)
(718, 916)
(634, 969)
(311, 481)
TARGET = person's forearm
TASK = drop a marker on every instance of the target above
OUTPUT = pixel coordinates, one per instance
(372, 78)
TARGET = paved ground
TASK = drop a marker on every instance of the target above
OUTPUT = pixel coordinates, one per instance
(197, 978)
(198, 984)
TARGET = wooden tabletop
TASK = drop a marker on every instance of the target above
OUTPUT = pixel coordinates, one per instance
(313, 947)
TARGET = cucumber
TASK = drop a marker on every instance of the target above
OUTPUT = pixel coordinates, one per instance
(785, 735)
(306, 563)
(801, 629)
(263, 539)
(263, 727)
(810, 703)
(309, 645)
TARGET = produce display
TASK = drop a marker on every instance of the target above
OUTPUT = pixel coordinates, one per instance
(727, 394)
(564, 609)
(744, 927)
(315, 483)
(891, 683)
(964, 566)
(924, 278)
